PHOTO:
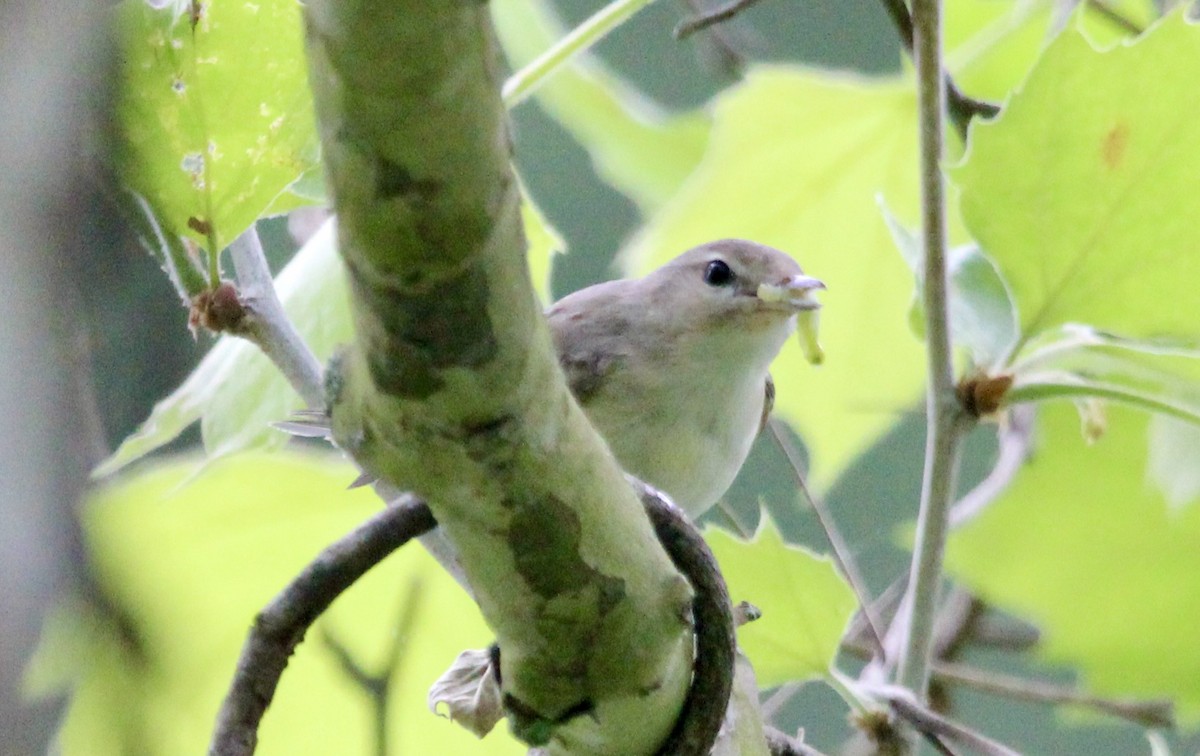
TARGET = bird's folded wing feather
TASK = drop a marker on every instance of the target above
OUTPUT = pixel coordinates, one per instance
(590, 340)
(585, 373)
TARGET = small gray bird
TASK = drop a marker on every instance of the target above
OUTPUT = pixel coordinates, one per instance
(672, 368)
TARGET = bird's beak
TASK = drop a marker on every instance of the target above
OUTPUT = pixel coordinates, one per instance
(797, 292)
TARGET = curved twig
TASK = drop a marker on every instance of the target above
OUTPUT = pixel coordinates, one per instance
(1016, 444)
(842, 556)
(280, 627)
(704, 708)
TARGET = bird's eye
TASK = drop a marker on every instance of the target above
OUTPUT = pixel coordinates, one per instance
(718, 274)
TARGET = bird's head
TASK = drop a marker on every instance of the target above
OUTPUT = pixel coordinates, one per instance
(736, 283)
(737, 296)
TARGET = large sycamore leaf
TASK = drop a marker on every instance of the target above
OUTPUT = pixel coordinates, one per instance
(1083, 190)
(1084, 545)
(215, 113)
(191, 563)
(805, 603)
(796, 160)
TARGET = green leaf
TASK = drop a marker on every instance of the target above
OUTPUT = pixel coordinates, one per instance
(190, 561)
(1081, 545)
(1080, 362)
(1084, 194)
(215, 117)
(796, 160)
(544, 243)
(983, 318)
(805, 603)
(235, 391)
(636, 146)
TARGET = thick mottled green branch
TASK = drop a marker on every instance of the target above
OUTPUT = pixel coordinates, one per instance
(452, 389)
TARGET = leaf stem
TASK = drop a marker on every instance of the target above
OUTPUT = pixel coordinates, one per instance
(946, 422)
(1016, 444)
(1152, 713)
(1041, 387)
(842, 555)
(524, 82)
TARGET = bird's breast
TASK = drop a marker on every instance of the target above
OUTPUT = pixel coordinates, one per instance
(688, 436)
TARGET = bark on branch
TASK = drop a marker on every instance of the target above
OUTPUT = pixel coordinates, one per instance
(452, 389)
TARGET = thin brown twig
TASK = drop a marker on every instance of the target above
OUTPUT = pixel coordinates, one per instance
(961, 107)
(379, 685)
(841, 550)
(690, 26)
(723, 43)
(928, 722)
(704, 708)
(1152, 713)
(281, 626)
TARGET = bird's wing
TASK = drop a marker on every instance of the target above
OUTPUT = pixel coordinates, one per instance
(586, 371)
(589, 340)
(768, 403)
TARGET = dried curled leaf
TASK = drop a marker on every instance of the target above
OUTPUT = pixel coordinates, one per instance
(470, 689)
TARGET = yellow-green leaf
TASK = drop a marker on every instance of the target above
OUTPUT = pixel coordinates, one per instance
(1083, 190)
(215, 113)
(805, 603)
(190, 560)
(1085, 546)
